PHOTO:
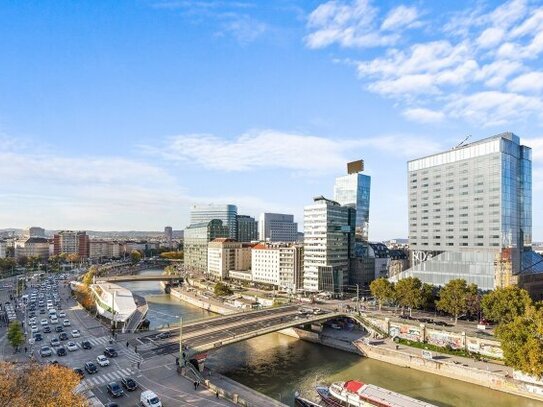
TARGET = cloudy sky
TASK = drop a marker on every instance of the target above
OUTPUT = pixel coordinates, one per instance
(119, 115)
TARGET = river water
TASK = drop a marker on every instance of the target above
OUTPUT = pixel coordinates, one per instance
(278, 365)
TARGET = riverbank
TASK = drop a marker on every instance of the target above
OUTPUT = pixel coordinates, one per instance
(202, 302)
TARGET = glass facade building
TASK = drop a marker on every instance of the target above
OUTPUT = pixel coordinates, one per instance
(196, 239)
(277, 227)
(353, 190)
(247, 229)
(470, 213)
(226, 213)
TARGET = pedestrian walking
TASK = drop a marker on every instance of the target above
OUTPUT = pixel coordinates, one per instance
(26, 349)
(139, 365)
(136, 349)
(127, 344)
(195, 385)
(217, 394)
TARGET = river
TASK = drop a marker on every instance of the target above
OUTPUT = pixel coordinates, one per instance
(278, 365)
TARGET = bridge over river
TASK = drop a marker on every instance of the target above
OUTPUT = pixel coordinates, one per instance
(202, 336)
(138, 277)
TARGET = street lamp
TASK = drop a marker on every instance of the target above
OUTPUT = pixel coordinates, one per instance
(181, 358)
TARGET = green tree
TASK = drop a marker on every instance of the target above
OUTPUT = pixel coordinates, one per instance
(382, 290)
(135, 256)
(504, 304)
(453, 298)
(22, 261)
(408, 293)
(15, 334)
(222, 289)
(522, 341)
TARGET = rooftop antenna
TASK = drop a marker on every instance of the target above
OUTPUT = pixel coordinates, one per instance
(462, 142)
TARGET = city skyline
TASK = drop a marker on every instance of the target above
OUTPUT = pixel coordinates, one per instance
(111, 112)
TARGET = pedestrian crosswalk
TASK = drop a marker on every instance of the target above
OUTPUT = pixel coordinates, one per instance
(101, 340)
(105, 378)
(132, 356)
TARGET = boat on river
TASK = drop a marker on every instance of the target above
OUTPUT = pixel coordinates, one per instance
(354, 393)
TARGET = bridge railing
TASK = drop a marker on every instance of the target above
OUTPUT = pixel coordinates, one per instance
(370, 326)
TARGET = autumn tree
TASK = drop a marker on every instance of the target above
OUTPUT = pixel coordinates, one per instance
(453, 298)
(73, 258)
(31, 384)
(504, 304)
(135, 256)
(175, 255)
(382, 290)
(522, 341)
(15, 334)
(408, 293)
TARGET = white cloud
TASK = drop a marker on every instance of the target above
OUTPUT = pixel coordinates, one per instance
(355, 24)
(423, 115)
(400, 17)
(529, 82)
(462, 69)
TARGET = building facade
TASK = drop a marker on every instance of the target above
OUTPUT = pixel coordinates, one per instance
(225, 255)
(247, 229)
(3, 249)
(328, 245)
(106, 249)
(35, 231)
(277, 227)
(32, 247)
(71, 242)
(168, 235)
(470, 213)
(196, 241)
(225, 213)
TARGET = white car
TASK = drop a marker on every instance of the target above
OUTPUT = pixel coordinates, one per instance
(66, 322)
(34, 329)
(149, 399)
(76, 333)
(72, 346)
(32, 321)
(54, 320)
(44, 322)
(62, 314)
(102, 360)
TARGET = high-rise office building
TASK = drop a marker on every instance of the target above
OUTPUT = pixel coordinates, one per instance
(71, 242)
(247, 228)
(35, 231)
(168, 235)
(277, 227)
(197, 238)
(470, 214)
(226, 213)
(328, 241)
(353, 190)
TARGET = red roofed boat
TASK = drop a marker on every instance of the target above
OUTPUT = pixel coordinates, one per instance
(353, 393)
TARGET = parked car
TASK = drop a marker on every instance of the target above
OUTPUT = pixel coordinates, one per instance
(63, 336)
(76, 333)
(61, 351)
(91, 368)
(163, 335)
(47, 329)
(54, 342)
(129, 383)
(102, 360)
(71, 346)
(80, 372)
(114, 389)
(38, 337)
(66, 322)
(45, 351)
(59, 329)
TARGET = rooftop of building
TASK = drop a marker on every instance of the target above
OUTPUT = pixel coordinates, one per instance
(505, 135)
(223, 240)
(37, 240)
(202, 224)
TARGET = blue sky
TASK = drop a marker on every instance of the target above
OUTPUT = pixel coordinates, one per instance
(119, 115)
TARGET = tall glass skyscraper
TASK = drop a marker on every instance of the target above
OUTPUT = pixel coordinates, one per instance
(470, 213)
(353, 190)
(226, 213)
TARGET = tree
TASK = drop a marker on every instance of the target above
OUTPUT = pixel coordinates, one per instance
(135, 256)
(504, 304)
(453, 298)
(521, 341)
(15, 334)
(89, 275)
(382, 290)
(473, 300)
(172, 255)
(22, 261)
(222, 289)
(32, 384)
(73, 258)
(408, 293)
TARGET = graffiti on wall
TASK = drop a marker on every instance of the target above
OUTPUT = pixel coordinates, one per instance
(405, 332)
(444, 339)
(484, 348)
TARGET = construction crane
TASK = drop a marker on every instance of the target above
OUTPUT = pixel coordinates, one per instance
(462, 142)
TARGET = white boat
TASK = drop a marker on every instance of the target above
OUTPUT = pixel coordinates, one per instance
(353, 393)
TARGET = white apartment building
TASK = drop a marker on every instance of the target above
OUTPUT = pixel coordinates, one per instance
(3, 247)
(277, 264)
(328, 241)
(225, 255)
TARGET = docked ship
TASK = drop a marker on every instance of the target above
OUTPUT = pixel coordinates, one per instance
(353, 393)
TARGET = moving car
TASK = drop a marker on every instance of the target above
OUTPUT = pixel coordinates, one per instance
(164, 335)
(102, 360)
(62, 314)
(45, 351)
(129, 383)
(149, 399)
(110, 352)
(66, 322)
(61, 351)
(114, 389)
(76, 333)
(54, 342)
(59, 329)
(38, 337)
(80, 372)
(71, 346)
(90, 367)
(86, 345)
(63, 336)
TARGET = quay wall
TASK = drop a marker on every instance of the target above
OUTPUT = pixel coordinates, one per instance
(176, 293)
(487, 378)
